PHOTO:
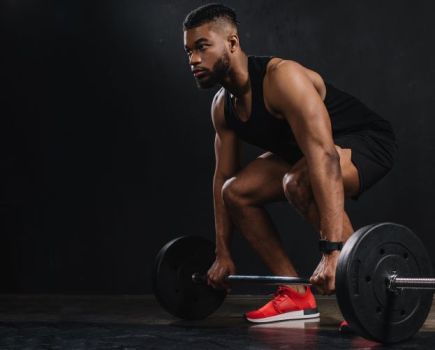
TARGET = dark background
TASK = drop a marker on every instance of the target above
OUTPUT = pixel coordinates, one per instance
(107, 144)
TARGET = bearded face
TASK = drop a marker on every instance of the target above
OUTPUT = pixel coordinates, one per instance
(207, 48)
(208, 78)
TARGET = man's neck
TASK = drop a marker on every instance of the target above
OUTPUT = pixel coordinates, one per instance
(237, 82)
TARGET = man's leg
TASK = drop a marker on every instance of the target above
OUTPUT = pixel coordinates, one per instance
(297, 189)
(244, 195)
(269, 179)
(260, 182)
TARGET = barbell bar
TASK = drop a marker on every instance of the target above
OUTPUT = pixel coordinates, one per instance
(393, 282)
(269, 280)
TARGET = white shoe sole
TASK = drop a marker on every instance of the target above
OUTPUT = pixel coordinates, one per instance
(292, 315)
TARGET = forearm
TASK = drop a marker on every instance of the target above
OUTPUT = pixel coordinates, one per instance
(327, 186)
(223, 224)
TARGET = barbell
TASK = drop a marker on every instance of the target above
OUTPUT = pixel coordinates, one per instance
(384, 284)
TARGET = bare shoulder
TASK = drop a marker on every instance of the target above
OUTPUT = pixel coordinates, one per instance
(282, 73)
(278, 68)
(217, 109)
(277, 65)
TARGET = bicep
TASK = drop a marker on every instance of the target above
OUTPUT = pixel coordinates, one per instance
(227, 145)
(311, 126)
(299, 102)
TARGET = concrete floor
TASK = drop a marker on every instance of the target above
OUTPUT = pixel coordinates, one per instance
(137, 322)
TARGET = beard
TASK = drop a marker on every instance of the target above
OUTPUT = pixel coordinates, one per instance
(217, 74)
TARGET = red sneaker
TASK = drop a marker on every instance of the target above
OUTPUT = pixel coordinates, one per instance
(286, 305)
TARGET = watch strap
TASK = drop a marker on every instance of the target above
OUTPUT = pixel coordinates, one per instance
(327, 247)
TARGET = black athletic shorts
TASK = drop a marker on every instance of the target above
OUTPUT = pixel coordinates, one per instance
(373, 153)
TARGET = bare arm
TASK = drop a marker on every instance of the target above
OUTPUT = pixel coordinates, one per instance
(293, 95)
(227, 152)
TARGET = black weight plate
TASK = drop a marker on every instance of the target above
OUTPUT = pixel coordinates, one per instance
(342, 289)
(369, 256)
(172, 278)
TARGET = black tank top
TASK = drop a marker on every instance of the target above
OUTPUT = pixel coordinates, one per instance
(262, 129)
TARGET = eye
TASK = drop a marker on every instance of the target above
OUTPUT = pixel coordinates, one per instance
(201, 47)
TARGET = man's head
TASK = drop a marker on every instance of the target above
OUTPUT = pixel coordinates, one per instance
(210, 40)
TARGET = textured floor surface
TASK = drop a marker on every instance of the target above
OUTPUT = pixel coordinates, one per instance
(133, 322)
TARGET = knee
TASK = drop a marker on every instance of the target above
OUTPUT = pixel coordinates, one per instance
(297, 191)
(233, 194)
(291, 185)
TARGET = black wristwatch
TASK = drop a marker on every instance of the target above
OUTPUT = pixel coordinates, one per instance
(327, 247)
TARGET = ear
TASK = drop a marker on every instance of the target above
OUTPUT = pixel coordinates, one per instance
(234, 42)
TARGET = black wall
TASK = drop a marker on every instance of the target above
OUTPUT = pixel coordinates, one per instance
(107, 145)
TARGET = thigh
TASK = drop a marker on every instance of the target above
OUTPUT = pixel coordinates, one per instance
(349, 173)
(261, 180)
(373, 155)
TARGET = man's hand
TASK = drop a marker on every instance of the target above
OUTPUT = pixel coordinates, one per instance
(222, 267)
(324, 275)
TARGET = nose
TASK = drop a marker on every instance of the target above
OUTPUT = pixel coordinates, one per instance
(194, 59)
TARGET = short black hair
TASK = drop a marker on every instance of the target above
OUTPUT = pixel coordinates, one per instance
(208, 13)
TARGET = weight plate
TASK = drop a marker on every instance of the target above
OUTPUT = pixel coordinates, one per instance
(369, 257)
(172, 278)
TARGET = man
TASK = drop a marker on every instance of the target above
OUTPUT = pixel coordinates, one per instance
(322, 145)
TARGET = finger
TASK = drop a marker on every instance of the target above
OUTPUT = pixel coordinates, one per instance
(321, 286)
(320, 290)
(213, 281)
(331, 287)
(318, 280)
(327, 285)
(217, 282)
(313, 279)
(327, 288)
